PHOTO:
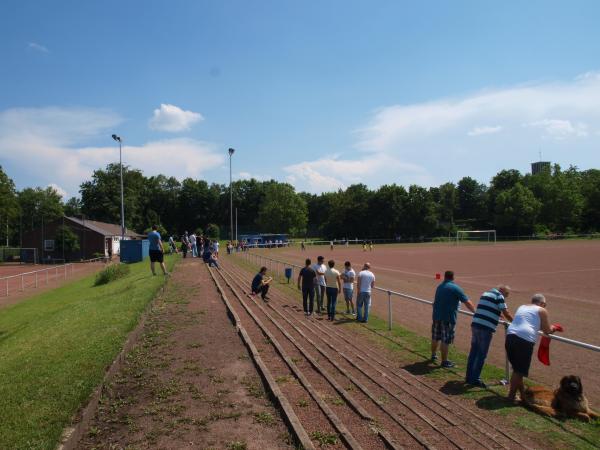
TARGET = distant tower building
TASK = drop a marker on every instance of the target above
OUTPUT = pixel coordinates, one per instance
(539, 167)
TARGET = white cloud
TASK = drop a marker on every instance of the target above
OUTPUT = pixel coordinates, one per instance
(330, 174)
(38, 47)
(395, 125)
(173, 119)
(249, 176)
(426, 142)
(60, 191)
(478, 131)
(48, 145)
(560, 129)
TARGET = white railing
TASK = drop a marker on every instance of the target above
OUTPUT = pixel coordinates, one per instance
(270, 262)
(36, 277)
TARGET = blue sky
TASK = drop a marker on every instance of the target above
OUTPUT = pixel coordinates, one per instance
(320, 94)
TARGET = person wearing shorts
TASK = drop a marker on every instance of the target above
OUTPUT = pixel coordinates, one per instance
(156, 250)
(348, 276)
(521, 337)
(448, 295)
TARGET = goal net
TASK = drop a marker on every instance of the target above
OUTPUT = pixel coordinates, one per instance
(18, 255)
(479, 236)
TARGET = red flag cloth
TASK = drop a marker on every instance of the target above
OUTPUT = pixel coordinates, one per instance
(544, 348)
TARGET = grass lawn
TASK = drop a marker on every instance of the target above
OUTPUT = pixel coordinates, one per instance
(55, 348)
(413, 352)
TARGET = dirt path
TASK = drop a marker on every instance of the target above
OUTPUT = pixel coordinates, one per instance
(190, 382)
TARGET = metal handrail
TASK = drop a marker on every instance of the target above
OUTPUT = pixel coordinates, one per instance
(34, 271)
(391, 292)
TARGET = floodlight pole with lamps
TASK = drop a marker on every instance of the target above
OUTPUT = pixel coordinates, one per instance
(231, 152)
(118, 139)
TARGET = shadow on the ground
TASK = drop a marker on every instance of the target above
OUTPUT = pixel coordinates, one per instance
(455, 387)
(421, 367)
(495, 402)
(343, 321)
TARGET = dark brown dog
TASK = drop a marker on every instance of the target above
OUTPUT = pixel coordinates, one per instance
(567, 401)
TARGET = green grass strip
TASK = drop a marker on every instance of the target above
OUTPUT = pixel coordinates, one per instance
(55, 348)
(413, 351)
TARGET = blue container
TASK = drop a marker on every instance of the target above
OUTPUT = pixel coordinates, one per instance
(133, 251)
(288, 273)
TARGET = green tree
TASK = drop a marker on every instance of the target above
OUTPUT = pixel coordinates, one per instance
(212, 231)
(9, 207)
(196, 204)
(73, 207)
(516, 210)
(421, 215)
(282, 210)
(447, 206)
(39, 206)
(590, 191)
(471, 200)
(101, 196)
(387, 211)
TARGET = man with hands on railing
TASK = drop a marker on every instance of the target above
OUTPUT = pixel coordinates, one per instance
(521, 337)
(491, 305)
(448, 295)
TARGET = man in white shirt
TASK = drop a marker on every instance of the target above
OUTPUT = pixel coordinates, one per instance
(193, 244)
(348, 276)
(320, 283)
(365, 283)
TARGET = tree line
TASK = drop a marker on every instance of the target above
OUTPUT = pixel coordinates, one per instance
(553, 201)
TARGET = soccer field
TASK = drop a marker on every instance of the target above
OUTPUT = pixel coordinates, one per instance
(566, 272)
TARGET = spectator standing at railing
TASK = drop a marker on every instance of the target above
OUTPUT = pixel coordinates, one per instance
(194, 245)
(364, 284)
(491, 305)
(448, 295)
(320, 283)
(334, 286)
(185, 244)
(348, 277)
(521, 336)
(308, 277)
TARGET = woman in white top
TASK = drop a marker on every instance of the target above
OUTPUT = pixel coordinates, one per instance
(333, 282)
(521, 337)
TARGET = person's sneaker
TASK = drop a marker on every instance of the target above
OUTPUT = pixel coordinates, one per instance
(448, 364)
(479, 384)
(434, 357)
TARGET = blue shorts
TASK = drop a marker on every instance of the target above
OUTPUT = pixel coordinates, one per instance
(348, 294)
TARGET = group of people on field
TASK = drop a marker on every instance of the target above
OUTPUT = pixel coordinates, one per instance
(521, 334)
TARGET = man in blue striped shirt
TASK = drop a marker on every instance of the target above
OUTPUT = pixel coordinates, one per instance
(491, 305)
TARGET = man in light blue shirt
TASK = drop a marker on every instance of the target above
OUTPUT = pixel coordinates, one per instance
(156, 250)
(448, 295)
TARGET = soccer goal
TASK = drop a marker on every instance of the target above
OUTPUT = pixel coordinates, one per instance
(18, 255)
(479, 236)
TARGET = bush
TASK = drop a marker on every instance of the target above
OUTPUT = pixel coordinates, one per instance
(111, 273)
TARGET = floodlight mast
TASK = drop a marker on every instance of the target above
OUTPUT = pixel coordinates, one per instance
(118, 139)
(231, 152)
